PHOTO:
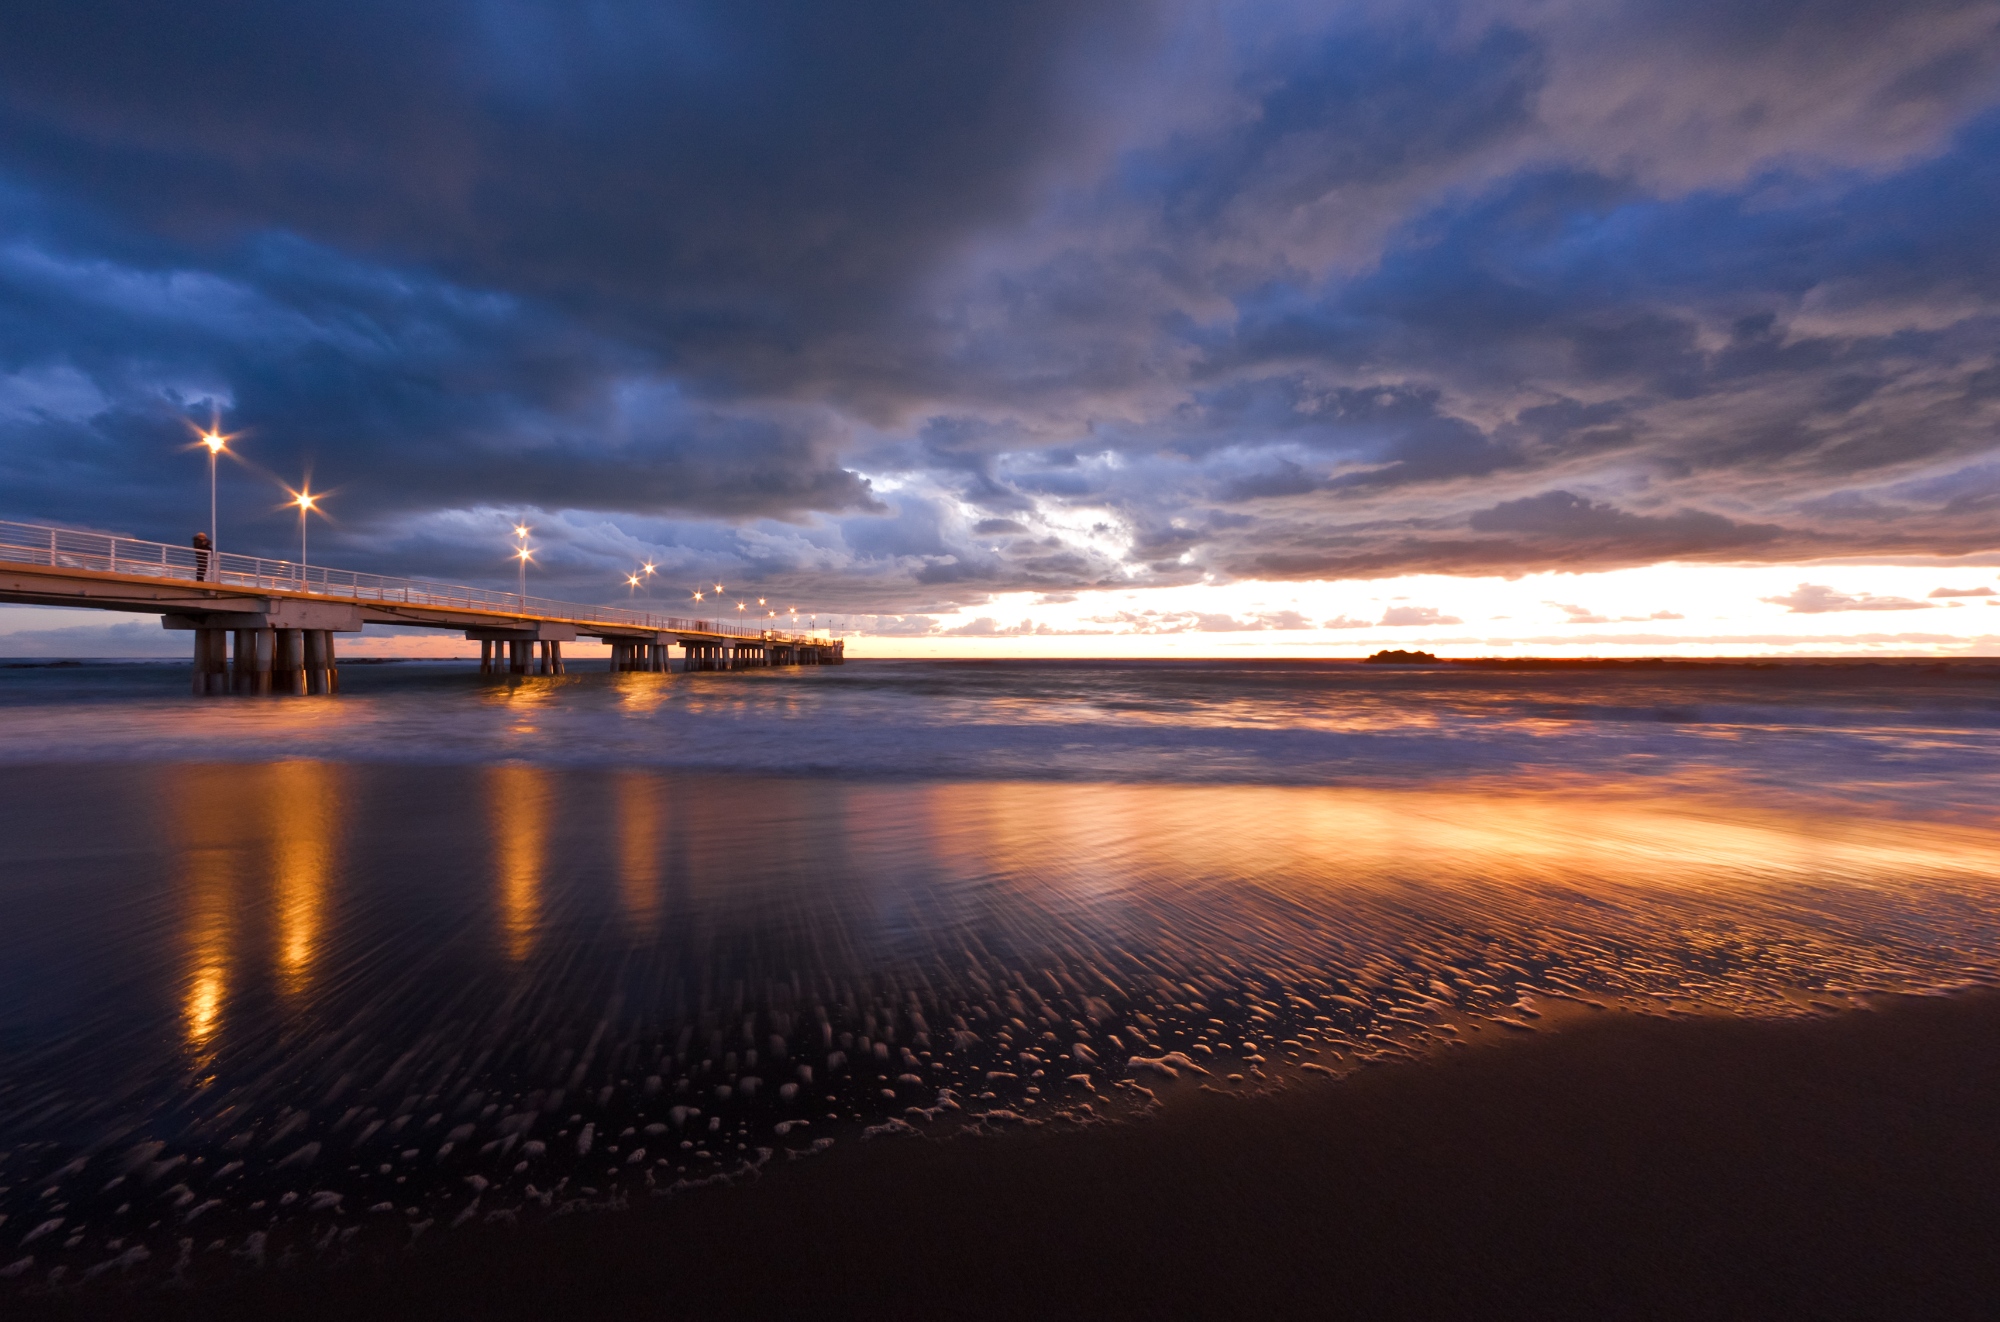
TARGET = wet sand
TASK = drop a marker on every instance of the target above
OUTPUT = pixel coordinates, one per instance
(1622, 1166)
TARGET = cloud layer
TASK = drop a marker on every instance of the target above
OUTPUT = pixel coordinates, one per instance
(894, 307)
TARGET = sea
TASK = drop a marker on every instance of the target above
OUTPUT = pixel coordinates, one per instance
(296, 979)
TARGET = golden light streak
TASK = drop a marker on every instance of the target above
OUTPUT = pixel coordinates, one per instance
(304, 814)
(209, 862)
(1109, 839)
(517, 802)
(639, 850)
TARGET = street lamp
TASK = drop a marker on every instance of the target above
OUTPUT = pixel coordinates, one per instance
(523, 555)
(215, 442)
(306, 502)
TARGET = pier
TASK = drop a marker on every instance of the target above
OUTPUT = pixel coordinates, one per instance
(269, 626)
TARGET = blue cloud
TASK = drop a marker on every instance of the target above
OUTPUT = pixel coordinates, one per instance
(913, 307)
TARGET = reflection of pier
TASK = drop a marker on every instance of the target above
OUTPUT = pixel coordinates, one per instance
(268, 626)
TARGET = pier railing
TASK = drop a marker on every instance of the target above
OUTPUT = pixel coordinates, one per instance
(67, 548)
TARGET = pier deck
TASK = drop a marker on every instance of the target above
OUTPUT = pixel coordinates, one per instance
(263, 625)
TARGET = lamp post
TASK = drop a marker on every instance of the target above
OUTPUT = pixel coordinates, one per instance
(306, 502)
(523, 555)
(215, 442)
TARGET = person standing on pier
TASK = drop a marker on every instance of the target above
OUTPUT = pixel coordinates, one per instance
(202, 549)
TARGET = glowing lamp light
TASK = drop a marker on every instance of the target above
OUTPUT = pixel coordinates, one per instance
(648, 566)
(214, 441)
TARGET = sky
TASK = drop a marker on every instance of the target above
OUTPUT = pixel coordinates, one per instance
(1531, 326)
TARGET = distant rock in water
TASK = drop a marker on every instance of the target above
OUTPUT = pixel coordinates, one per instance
(1397, 657)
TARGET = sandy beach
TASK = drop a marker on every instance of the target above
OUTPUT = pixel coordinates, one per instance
(1846, 1166)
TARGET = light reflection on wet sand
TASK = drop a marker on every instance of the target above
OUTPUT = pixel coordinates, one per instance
(638, 832)
(211, 896)
(304, 812)
(517, 803)
(467, 966)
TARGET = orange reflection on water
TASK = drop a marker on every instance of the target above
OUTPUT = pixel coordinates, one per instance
(208, 851)
(517, 800)
(1117, 836)
(303, 814)
(638, 807)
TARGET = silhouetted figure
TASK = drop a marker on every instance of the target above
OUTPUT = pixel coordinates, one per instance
(202, 549)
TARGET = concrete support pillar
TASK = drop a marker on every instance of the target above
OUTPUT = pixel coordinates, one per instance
(252, 671)
(486, 656)
(211, 662)
(332, 664)
(316, 661)
(288, 667)
(242, 660)
(555, 658)
(517, 657)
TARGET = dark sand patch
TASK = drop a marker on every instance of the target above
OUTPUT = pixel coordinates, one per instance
(1843, 1167)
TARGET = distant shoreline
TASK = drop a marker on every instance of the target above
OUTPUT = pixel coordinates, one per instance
(1467, 662)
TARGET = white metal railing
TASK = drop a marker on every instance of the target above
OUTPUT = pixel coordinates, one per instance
(65, 548)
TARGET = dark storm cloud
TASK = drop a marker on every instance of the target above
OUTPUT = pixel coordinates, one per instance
(714, 173)
(904, 305)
